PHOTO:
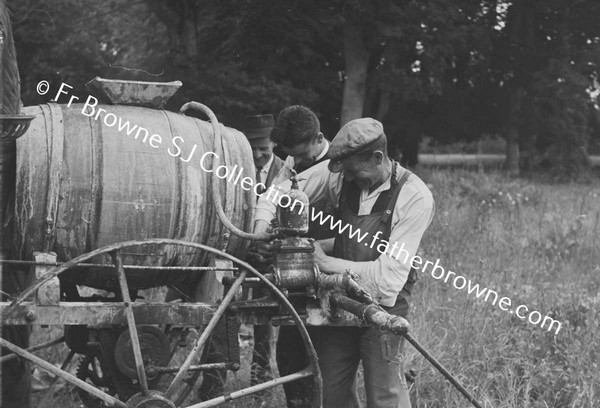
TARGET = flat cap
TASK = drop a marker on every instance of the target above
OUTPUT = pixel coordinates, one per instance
(356, 136)
(258, 126)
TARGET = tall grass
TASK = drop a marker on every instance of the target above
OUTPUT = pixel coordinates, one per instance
(537, 244)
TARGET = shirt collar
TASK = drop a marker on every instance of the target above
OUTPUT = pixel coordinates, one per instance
(267, 167)
(324, 151)
(386, 185)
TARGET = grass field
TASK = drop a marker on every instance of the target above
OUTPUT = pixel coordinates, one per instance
(538, 244)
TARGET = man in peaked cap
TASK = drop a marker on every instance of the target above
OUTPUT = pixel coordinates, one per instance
(258, 132)
(258, 129)
(394, 207)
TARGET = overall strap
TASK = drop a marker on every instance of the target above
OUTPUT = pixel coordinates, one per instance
(386, 219)
(384, 198)
(342, 202)
(395, 192)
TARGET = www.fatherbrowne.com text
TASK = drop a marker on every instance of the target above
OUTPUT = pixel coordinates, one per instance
(437, 271)
(394, 250)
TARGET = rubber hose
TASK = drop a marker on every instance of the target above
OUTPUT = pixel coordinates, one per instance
(216, 194)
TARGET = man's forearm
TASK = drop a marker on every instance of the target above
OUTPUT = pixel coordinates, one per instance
(261, 226)
(265, 211)
(336, 265)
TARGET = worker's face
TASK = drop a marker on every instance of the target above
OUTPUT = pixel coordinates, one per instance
(262, 149)
(305, 154)
(365, 171)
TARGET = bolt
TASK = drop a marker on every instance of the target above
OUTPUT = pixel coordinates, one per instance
(334, 317)
(235, 366)
(151, 372)
(30, 316)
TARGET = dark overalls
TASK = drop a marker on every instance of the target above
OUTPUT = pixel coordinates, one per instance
(340, 349)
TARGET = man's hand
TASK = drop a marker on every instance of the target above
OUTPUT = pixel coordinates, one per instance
(321, 259)
(262, 247)
(329, 264)
(399, 325)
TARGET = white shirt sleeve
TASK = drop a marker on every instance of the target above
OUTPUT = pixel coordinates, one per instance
(317, 182)
(384, 277)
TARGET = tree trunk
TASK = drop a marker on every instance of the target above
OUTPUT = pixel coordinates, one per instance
(181, 19)
(516, 36)
(356, 58)
(189, 37)
(384, 104)
(511, 165)
(15, 378)
(410, 142)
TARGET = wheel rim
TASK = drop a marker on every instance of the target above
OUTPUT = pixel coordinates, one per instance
(114, 252)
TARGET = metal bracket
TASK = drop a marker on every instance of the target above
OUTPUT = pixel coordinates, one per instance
(49, 293)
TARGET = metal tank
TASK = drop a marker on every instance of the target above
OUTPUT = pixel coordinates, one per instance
(89, 176)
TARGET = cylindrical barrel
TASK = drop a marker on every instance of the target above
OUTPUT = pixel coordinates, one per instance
(92, 176)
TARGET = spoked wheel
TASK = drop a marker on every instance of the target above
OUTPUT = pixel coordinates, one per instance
(143, 366)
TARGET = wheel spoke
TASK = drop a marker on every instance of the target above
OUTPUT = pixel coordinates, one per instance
(176, 384)
(206, 333)
(307, 372)
(46, 398)
(70, 378)
(135, 340)
(50, 343)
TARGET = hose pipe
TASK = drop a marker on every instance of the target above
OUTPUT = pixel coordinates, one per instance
(216, 194)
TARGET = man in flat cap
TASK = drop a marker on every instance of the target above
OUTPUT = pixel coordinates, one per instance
(258, 129)
(375, 194)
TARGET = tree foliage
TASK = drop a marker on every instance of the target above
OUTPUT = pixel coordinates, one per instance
(454, 70)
